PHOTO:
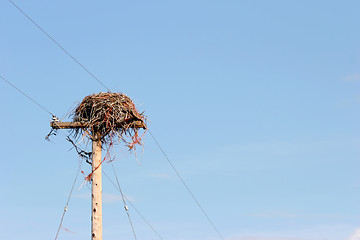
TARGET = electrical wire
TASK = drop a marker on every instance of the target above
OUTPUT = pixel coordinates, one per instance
(161, 149)
(59, 45)
(31, 99)
(68, 200)
(77, 174)
(122, 196)
(138, 212)
(186, 186)
(91, 74)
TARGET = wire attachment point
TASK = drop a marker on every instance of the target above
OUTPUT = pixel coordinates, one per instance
(55, 119)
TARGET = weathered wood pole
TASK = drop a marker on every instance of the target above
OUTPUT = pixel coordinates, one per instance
(96, 194)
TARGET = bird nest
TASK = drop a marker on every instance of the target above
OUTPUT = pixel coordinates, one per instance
(109, 115)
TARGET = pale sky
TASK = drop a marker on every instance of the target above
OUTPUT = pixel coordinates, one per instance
(255, 102)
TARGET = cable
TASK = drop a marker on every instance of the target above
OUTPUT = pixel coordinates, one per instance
(67, 203)
(38, 104)
(187, 188)
(77, 174)
(58, 44)
(138, 212)
(82, 66)
(26, 95)
(122, 196)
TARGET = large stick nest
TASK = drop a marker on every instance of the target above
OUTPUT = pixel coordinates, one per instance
(110, 115)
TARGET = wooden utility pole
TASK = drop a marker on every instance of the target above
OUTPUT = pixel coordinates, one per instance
(96, 196)
(96, 190)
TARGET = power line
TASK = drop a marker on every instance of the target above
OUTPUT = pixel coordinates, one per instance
(77, 174)
(59, 45)
(122, 196)
(187, 188)
(31, 99)
(67, 203)
(91, 74)
(138, 212)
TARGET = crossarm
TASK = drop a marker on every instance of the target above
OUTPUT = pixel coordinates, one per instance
(67, 125)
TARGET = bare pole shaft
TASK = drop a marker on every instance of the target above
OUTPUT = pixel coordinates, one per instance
(96, 210)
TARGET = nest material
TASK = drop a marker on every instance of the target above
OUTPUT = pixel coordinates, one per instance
(110, 115)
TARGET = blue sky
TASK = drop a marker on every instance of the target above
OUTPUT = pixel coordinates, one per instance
(255, 102)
